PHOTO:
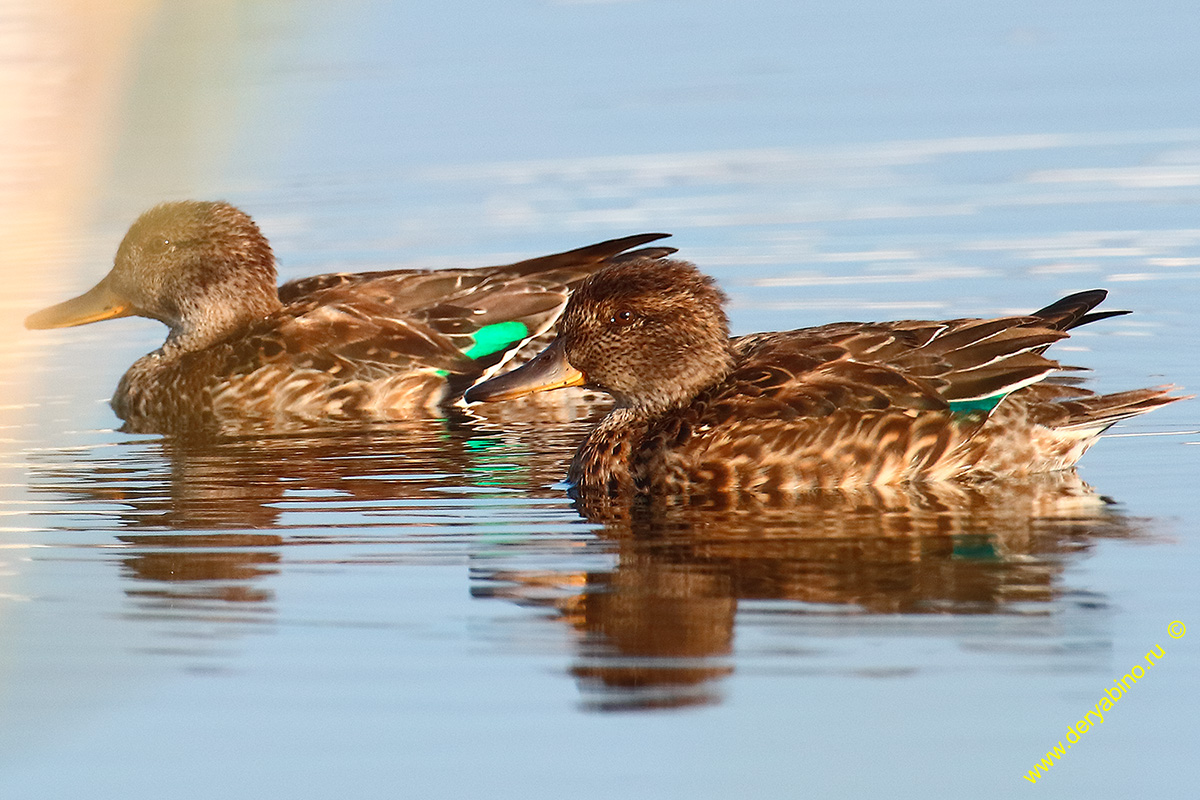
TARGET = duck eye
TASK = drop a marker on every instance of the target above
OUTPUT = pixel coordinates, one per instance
(159, 244)
(622, 317)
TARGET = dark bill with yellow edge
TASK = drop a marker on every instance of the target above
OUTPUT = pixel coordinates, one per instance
(548, 370)
(99, 302)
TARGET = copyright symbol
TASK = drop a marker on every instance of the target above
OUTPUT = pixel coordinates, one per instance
(1176, 629)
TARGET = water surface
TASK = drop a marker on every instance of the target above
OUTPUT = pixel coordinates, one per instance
(421, 610)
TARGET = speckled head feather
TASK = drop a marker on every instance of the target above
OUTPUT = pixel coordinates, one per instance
(201, 268)
(652, 338)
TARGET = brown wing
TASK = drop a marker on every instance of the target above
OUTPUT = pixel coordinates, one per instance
(850, 401)
(357, 340)
(456, 310)
(387, 344)
(912, 365)
(408, 289)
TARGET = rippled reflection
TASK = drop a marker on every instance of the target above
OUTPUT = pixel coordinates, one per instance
(659, 628)
(204, 526)
(207, 519)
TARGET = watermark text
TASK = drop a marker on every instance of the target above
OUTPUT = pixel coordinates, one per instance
(1095, 715)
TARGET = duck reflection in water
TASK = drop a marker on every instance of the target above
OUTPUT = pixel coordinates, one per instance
(657, 630)
(206, 525)
(209, 519)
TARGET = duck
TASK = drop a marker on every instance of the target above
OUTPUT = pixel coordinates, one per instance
(243, 354)
(835, 407)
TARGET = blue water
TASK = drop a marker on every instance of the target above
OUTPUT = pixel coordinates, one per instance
(420, 610)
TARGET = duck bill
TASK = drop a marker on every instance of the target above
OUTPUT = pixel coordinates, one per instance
(98, 303)
(548, 370)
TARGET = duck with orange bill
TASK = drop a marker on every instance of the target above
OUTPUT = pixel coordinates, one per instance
(243, 354)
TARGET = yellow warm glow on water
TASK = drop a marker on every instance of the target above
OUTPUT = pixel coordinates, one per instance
(61, 85)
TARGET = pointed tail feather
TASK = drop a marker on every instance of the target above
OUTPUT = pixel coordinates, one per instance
(1073, 310)
(646, 252)
(596, 255)
(1095, 414)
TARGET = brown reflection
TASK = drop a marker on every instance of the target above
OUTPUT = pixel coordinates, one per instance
(218, 566)
(207, 519)
(205, 525)
(658, 629)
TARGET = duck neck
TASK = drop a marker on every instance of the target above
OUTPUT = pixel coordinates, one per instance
(209, 322)
(603, 464)
(677, 384)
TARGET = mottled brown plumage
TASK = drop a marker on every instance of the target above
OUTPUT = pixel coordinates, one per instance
(242, 354)
(841, 405)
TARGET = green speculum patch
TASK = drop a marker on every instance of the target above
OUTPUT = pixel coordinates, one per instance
(493, 338)
(984, 404)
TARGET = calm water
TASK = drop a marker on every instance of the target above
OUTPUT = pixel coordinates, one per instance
(420, 611)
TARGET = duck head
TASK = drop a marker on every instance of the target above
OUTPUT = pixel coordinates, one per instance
(203, 269)
(651, 333)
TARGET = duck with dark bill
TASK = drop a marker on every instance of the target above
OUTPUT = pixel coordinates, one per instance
(837, 406)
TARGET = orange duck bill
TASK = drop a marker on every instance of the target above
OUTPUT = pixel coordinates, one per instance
(99, 302)
(548, 370)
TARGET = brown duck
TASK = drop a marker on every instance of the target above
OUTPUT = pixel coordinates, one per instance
(243, 354)
(843, 405)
